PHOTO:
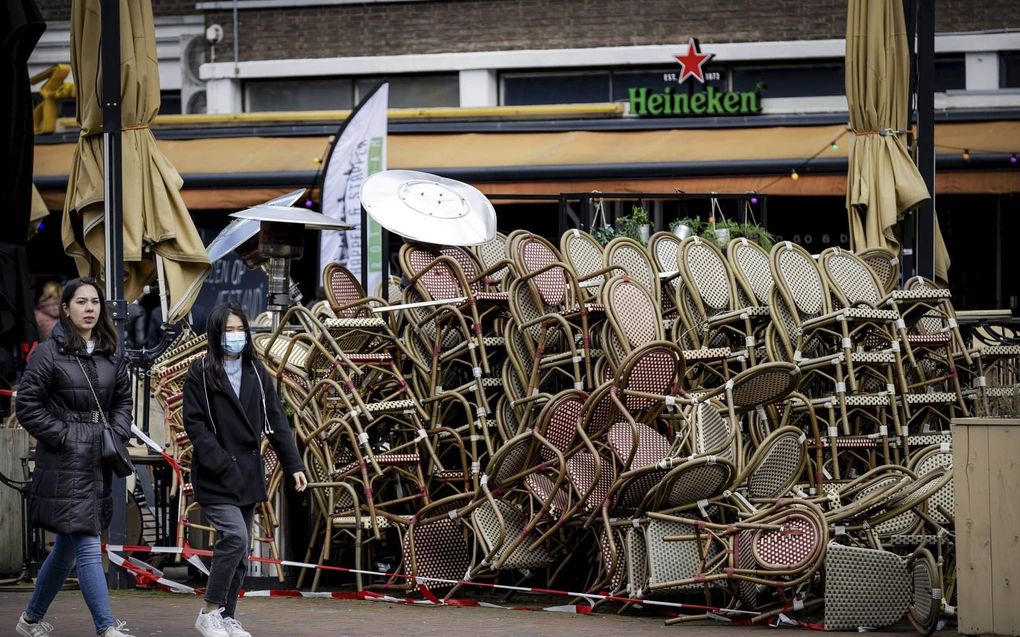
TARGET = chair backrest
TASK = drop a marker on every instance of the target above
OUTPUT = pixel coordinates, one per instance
(850, 279)
(634, 260)
(777, 464)
(706, 276)
(469, 265)
(633, 314)
(886, 266)
(654, 368)
(763, 384)
(440, 279)
(583, 254)
(492, 252)
(664, 246)
(342, 288)
(558, 421)
(751, 270)
(798, 279)
(531, 253)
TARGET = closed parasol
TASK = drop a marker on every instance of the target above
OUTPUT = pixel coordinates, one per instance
(882, 181)
(156, 221)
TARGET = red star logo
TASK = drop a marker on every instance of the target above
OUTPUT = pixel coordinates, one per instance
(692, 61)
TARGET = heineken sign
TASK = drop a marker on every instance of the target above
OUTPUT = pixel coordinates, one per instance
(667, 102)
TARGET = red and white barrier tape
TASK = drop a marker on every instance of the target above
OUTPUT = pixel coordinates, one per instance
(188, 552)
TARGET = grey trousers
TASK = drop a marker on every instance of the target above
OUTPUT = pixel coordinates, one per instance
(230, 554)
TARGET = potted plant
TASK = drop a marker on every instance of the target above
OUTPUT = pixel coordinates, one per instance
(603, 234)
(758, 234)
(720, 232)
(686, 227)
(639, 217)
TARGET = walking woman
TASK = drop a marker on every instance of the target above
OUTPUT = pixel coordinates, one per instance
(229, 404)
(70, 377)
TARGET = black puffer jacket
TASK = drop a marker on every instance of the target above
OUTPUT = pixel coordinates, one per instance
(70, 491)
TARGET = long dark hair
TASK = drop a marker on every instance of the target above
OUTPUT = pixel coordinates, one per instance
(214, 333)
(104, 334)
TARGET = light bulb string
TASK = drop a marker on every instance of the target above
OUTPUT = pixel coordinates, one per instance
(803, 164)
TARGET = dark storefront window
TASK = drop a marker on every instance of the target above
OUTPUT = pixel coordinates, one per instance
(823, 78)
(312, 94)
(950, 74)
(1009, 70)
(298, 95)
(555, 88)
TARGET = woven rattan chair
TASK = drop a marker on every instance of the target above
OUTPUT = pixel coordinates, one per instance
(867, 587)
(630, 257)
(585, 257)
(663, 247)
(713, 302)
(885, 265)
(556, 302)
(493, 256)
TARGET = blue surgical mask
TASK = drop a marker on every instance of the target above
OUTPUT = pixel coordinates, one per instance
(234, 342)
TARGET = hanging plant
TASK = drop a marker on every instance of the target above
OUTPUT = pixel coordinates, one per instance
(695, 224)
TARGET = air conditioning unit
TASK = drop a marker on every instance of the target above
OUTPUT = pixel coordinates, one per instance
(194, 53)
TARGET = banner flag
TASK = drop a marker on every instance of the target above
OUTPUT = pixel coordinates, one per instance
(358, 152)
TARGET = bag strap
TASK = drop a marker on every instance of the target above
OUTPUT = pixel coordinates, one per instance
(88, 380)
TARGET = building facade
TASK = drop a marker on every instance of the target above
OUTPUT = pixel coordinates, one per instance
(552, 96)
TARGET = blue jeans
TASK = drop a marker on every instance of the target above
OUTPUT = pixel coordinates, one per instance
(69, 548)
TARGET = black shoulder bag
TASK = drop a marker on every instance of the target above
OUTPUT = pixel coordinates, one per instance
(114, 451)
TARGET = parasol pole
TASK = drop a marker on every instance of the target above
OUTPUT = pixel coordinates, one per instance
(925, 239)
(113, 224)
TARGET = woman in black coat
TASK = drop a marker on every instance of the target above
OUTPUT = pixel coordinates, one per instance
(69, 379)
(229, 404)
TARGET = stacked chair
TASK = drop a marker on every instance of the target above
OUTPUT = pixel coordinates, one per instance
(765, 433)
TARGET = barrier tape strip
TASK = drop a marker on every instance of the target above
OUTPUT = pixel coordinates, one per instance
(150, 574)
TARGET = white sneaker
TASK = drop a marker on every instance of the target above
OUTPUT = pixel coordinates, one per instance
(234, 628)
(117, 630)
(38, 629)
(211, 624)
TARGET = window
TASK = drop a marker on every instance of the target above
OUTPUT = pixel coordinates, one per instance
(822, 78)
(555, 88)
(298, 95)
(949, 73)
(313, 94)
(1009, 69)
(416, 91)
(169, 102)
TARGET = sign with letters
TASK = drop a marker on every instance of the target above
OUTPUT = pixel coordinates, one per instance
(682, 99)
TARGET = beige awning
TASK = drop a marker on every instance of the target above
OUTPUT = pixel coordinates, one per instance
(297, 155)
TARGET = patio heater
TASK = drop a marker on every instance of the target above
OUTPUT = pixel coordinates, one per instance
(270, 236)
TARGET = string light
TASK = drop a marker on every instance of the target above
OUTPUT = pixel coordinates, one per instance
(966, 155)
(793, 175)
(1012, 159)
(835, 146)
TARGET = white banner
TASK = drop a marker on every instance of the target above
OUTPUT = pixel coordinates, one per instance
(359, 151)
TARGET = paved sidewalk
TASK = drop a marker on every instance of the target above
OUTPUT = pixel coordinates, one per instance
(170, 615)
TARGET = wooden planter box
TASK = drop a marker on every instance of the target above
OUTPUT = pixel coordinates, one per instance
(13, 447)
(986, 473)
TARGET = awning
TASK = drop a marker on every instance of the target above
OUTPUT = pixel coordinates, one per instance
(232, 172)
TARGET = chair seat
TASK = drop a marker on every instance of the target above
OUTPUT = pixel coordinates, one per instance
(933, 398)
(707, 354)
(651, 447)
(919, 294)
(354, 323)
(733, 315)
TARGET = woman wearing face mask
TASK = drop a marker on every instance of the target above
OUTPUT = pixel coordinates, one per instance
(75, 382)
(229, 404)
